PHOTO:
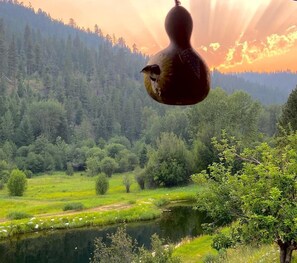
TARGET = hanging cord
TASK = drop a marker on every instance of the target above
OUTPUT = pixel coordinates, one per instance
(177, 2)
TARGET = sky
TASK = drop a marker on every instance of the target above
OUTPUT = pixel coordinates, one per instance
(231, 35)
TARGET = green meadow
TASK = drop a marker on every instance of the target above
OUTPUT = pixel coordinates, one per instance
(47, 195)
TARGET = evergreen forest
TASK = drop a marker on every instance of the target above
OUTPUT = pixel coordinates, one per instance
(73, 98)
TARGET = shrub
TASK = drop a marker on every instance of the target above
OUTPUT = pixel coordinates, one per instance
(161, 253)
(108, 166)
(221, 241)
(17, 183)
(127, 181)
(18, 215)
(102, 184)
(1, 184)
(28, 173)
(121, 248)
(140, 178)
(69, 169)
(73, 206)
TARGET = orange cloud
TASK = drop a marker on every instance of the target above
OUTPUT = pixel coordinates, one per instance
(247, 52)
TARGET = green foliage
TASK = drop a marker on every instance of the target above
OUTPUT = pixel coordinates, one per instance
(4, 171)
(93, 166)
(260, 196)
(102, 184)
(237, 114)
(28, 173)
(123, 249)
(171, 164)
(17, 183)
(161, 253)
(69, 169)
(108, 166)
(140, 177)
(73, 206)
(127, 181)
(18, 215)
(288, 119)
(221, 241)
(1, 184)
(114, 149)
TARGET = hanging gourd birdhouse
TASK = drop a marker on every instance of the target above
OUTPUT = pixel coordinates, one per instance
(177, 75)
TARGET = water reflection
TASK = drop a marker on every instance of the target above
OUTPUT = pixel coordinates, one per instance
(76, 246)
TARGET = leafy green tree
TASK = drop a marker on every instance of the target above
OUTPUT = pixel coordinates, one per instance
(34, 163)
(4, 171)
(140, 177)
(17, 183)
(2, 49)
(69, 169)
(93, 166)
(102, 184)
(108, 166)
(127, 181)
(260, 197)
(48, 118)
(114, 149)
(171, 163)
(237, 113)
(288, 119)
(143, 158)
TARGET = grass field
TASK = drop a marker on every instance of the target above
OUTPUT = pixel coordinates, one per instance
(47, 195)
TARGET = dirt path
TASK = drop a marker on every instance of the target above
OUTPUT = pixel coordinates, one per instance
(94, 209)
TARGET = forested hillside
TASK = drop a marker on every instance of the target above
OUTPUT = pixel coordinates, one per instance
(73, 97)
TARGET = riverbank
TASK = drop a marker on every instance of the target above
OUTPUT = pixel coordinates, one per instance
(47, 196)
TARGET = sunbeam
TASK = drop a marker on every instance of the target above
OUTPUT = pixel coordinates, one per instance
(229, 34)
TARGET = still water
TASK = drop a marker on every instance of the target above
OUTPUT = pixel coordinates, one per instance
(76, 246)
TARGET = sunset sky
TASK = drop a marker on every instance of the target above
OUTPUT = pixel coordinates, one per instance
(231, 35)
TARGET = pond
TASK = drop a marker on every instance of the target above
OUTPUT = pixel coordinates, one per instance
(76, 245)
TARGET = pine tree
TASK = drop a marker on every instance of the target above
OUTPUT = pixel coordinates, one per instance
(288, 118)
(12, 60)
(2, 49)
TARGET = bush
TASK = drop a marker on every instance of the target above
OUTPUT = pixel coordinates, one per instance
(69, 169)
(17, 183)
(161, 253)
(102, 184)
(127, 181)
(73, 206)
(140, 178)
(1, 184)
(108, 166)
(123, 249)
(28, 173)
(221, 241)
(18, 215)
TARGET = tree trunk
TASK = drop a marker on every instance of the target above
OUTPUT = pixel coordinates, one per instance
(286, 251)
